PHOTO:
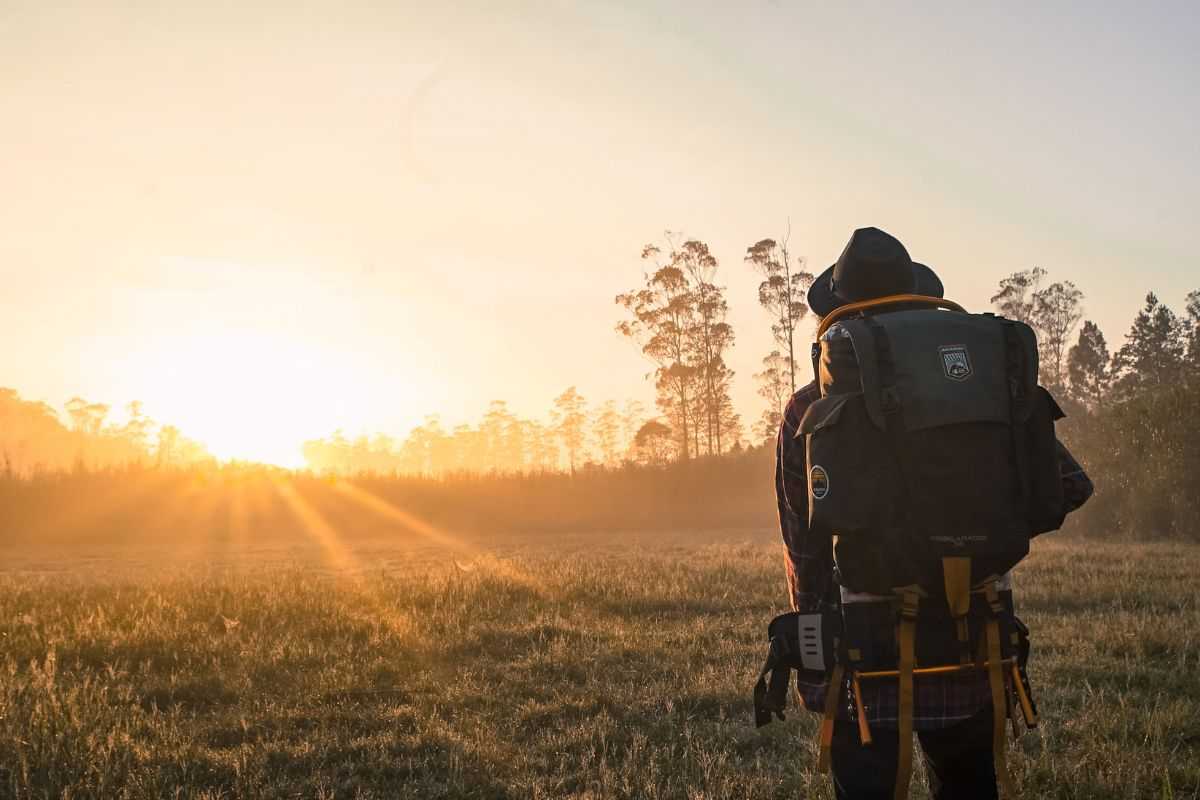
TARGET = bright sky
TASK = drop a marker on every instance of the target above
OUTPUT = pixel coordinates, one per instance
(267, 221)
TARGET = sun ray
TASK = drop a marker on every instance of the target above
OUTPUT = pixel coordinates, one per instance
(407, 520)
(436, 535)
(347, 567)
(337, 554)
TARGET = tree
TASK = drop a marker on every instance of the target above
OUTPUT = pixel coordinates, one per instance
(632, 417)
(663, 315)
(504, 447)
(569, 419)
(1193, 332)
(782, 293)
(1054, 313)
(87, 418)
(652, 443)
(1154, 351)
(773, 386)
(731, 424)
(138, 428)
(1087, 366)
(607, 431)
(1015, 299)
(543, 450)
(709, 337)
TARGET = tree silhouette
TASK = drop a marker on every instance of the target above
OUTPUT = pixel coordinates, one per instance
(1192, 324)
(1015, 299)
(1055, 313)
(653, 443)
(569, 420)
(782, 293)
(663, 315)
(774, 387)
(1154, 351)
(709, 338)
(608, 433)
(1087, 366)
(633, 414)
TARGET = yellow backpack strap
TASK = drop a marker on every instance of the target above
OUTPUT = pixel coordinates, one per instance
(864, 729)
(996, 683)
(832, 694)
(880, 302)
(1027, 709)
(908, 635)
(956, 572)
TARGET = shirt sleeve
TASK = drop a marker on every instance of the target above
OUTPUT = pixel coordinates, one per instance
(1077, 486)
(808, 557)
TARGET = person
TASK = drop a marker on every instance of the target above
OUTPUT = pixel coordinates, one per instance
(951, 714)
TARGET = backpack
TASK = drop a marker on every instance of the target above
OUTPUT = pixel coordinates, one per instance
(932, 463)
(931, 440)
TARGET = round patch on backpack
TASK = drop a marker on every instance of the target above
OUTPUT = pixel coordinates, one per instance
(818, 481)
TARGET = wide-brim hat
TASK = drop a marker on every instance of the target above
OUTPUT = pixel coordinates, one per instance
(873, 264)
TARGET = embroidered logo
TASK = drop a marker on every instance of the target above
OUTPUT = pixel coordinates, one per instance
(955, 362)
(818, 482)
(959, 541)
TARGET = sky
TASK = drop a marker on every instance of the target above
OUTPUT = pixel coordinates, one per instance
(270, 221)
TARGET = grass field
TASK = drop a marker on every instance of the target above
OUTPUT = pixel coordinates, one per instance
(590, 667)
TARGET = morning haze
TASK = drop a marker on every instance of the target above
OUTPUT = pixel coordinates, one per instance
(395, 191)
(417, 400)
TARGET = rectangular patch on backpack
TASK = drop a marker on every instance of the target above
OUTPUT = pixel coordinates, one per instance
(955, 362)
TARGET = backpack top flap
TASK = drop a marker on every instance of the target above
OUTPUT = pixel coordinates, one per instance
(949, 368)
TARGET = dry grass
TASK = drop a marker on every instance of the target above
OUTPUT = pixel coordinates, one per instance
(550, 672)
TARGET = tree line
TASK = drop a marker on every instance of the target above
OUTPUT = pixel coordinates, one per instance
(1130, 411)
(678, 319)
(572, 436)
(35, 437)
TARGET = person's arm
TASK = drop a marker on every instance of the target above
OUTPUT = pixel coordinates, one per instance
(808, 557)
(1077, 486)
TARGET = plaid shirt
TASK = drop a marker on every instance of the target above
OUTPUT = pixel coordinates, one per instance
(938, 701)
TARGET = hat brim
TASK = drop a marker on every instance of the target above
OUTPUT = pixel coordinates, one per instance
(822, 299)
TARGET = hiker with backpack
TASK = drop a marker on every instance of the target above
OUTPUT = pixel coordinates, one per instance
(912, 474)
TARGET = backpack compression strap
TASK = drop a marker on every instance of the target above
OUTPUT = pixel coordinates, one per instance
(832, 694)
(999, 697)
(908, 634)
(956, 574)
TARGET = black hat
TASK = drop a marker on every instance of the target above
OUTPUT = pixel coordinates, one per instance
(874, 264)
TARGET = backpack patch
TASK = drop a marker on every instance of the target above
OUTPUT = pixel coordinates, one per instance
(818, 479)
(956, 364)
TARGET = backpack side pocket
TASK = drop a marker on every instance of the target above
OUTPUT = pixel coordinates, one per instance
(852, 474)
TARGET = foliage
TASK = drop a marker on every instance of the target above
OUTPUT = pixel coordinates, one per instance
(608, 434)
(34, 438)
(1052, 311)
(783, 293)
(1154, 350)
(678, 319)
(1143, 454)
(501, 442)
(1056, 312)
(1015, 297)
(569, 420)
(1087, 366)
(773, 386)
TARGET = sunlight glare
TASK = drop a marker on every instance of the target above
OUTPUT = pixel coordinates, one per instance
(250, 395)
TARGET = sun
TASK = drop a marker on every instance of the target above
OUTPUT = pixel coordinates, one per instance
(248, 394)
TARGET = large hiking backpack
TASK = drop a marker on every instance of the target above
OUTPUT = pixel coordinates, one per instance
(931, 440)
(932, 462)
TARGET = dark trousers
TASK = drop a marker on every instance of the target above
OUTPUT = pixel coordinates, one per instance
(958, 761)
